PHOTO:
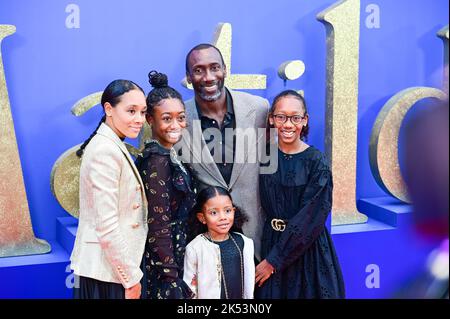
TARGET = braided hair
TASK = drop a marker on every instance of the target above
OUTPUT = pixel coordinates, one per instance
(112, 94)
(161, 91)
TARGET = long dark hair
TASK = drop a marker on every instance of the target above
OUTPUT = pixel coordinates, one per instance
(196, 227)
(112, 94)
(161, 91)
(295, 94)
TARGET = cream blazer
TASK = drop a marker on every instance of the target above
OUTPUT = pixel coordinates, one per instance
(202, 261)
(112, 227)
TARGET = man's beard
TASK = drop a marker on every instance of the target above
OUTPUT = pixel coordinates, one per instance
(215, 96)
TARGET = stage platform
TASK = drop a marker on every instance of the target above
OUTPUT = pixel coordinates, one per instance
(386, 246)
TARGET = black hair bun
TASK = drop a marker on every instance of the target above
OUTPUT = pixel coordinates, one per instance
(158, 80)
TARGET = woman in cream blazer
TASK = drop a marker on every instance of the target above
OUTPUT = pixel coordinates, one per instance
(112, 227)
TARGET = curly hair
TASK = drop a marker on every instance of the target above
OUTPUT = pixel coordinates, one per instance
(195, 227)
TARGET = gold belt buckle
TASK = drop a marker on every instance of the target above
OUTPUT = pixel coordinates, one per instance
(278, 224)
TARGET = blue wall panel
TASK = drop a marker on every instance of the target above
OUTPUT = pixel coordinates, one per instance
(49, 67)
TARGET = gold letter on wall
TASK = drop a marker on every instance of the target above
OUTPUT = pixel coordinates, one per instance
(385, 133)
(384, 139)
(342, 25)
(16, 232)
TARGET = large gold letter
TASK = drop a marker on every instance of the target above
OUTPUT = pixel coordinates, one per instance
(385, 133)
(16, 232)
(342, 25)
(384, 139)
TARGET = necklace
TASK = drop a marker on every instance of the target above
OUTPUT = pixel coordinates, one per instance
(222, 272)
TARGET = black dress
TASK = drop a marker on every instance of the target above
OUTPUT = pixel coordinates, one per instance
(299, 193)
(170, 195)
(232, 285)
(89, 288)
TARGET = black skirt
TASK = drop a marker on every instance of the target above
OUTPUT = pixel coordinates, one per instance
(89, 288)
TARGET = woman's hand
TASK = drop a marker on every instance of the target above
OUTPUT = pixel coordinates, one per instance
(263, 272)
(133, 292)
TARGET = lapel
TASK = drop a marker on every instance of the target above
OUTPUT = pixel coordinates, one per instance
(245, 116)
(106, 131)
(197, 145)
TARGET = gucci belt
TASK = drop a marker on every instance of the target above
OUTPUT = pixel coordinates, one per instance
(278, 224)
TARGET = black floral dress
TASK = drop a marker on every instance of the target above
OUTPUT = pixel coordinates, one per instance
(170, 196)
(300, 194)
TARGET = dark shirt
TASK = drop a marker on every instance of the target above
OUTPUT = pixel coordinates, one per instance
(226, 146)
(232, 266)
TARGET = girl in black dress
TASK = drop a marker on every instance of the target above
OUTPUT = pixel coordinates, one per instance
(169, 192)
(299, 260)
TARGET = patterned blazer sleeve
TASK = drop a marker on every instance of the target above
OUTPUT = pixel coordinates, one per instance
(104, 175)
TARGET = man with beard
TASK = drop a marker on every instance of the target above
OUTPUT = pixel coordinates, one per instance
(222, 142)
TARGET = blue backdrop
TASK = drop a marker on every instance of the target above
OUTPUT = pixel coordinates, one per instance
(49, 67)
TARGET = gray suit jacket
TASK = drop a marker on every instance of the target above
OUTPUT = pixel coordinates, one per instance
(251, 115)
